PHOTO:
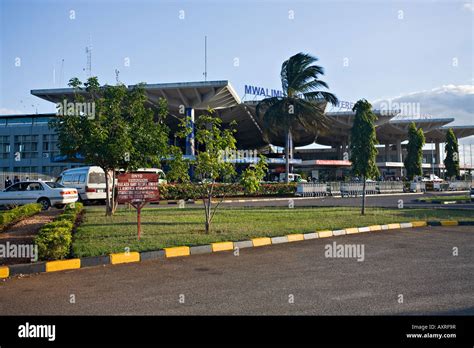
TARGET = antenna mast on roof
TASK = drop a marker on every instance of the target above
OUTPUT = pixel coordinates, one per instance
(61, 73)
(205, 58)
(88, 67)
(117, 80)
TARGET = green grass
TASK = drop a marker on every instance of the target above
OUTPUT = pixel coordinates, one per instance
(444, 198)
(100, 235)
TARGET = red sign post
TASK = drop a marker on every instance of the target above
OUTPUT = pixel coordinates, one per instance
(138, 189)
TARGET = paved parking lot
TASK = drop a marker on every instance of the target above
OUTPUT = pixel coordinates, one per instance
(295, 278)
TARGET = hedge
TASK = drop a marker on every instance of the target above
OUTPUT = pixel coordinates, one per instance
(14, 215)
(191, 191)
(54, 239)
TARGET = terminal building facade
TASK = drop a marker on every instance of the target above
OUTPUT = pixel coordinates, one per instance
(28, 148)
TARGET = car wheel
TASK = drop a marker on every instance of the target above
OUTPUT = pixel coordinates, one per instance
(45, 203)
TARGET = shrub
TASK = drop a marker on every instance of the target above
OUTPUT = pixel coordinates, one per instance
(19, 213)
(190, 191)
(54, 243)
(54, 239)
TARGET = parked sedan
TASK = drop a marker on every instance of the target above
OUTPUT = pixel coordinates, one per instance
(44, 192)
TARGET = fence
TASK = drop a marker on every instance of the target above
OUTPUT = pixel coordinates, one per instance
(418, 187)
(459, 185)
(334, 188)
(312, 190)
(355, 189)
(390, 186)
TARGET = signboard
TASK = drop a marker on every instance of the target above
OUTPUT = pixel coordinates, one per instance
(138, 189)
(262, 91)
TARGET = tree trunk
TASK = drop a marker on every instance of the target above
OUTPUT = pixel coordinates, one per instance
(208, 207)
(287, 156)
(114, 194)
(108, 210)
(363, 195)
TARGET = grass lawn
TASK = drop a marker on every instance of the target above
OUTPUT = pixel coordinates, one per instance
(445, 198)
(100, 235)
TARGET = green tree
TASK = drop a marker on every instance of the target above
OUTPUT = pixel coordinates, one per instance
(363, 141)
(122, 133)
(414, 158)
(178, 166)
(212, 141)
(253, 175)
(301, 104)
(451, 162)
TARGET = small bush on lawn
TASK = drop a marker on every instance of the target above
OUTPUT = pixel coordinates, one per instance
(54, 239)
(189, 191)
(19, 213)
(54, 244)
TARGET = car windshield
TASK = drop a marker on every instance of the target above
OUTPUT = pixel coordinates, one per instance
(54, 184)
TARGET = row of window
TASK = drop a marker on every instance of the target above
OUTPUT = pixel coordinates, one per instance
(23, 121)
(27, 146)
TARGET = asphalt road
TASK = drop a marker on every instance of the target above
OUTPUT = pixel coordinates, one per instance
(388, 201)
(415, 263)
(385, 201)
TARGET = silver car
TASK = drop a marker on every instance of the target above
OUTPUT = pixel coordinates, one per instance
(44, 192)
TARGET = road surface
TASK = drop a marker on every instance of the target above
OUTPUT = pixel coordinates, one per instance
(413, 266)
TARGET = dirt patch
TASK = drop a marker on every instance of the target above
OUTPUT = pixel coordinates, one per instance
(23, 232)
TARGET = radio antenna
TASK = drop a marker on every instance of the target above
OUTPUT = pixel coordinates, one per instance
(205, 58)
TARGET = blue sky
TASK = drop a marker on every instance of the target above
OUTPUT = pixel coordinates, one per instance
(390, 53)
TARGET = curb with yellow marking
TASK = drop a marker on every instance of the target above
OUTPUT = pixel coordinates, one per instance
(352, 230)
(222, 246)
(131, 256)
(393, 226)
(324, 234)
(295, 237)
(448, 223)
(261, 241)
(4, 272)
(177, 251)
(62, 265)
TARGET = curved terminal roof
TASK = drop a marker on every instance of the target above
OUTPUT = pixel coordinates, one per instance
(221, 96)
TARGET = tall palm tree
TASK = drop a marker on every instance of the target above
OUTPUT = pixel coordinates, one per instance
(300, 105)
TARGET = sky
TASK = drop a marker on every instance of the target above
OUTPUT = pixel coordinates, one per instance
(378, 50)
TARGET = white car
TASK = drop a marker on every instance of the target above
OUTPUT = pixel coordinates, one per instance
(44, 192)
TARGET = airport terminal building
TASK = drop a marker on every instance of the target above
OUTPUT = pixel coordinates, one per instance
(29, 147)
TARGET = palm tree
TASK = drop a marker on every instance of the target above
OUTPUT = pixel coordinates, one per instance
(300, 105)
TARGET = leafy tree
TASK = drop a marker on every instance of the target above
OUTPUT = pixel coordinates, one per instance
(300, 105)
(451, 162)
(178, 166)
(123, 133)
(414, 159)
(212, 140)
(363, 141)
(252, 175)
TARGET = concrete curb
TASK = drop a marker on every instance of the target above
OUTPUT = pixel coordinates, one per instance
(133, 256)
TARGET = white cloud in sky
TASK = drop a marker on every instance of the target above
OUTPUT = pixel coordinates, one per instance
(469, 6)
(7, 111)
(447, 101)
(456, 101)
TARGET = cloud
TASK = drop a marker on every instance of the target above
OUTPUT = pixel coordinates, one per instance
(456, 101)
(448, 101)
(468, 6)
(6, 111)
